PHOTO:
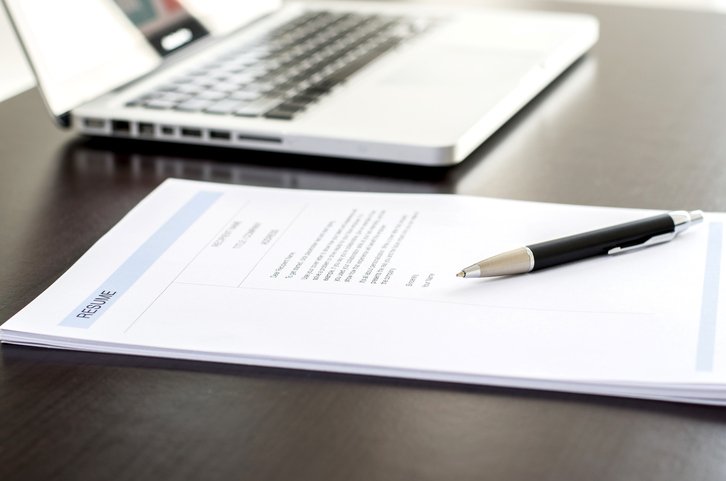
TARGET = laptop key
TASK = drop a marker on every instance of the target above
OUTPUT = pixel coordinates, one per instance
(286, 109)
(194, 105)
(292, 106)
(160, 104)
(319, 88)
(202, 82)
(303, 99)
(174, 96)
(168, 88)
(224, 107)
(241, 78)
(211, 95)
(189, 88)
(280, 114)
(258, 107)
(261, 87)
(244, 95)
(225, 87)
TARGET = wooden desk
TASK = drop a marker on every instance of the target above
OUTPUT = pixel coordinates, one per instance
(639, 123)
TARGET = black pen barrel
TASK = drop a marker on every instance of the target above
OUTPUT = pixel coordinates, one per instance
(599, 242)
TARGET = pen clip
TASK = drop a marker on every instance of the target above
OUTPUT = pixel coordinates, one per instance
(657, 239)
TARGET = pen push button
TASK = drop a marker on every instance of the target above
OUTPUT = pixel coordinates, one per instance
(681, 221)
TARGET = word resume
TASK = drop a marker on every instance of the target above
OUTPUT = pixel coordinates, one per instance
(366, 283)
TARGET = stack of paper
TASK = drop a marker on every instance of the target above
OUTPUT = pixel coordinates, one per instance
(366, 283)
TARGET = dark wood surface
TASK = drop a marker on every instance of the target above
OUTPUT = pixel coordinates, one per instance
(639, 123)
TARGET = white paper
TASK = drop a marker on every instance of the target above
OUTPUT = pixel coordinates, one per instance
(365, 283)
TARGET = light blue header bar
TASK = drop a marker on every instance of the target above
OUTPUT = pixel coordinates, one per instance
(709, 300)
(119, 282)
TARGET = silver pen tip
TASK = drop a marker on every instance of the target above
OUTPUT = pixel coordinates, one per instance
(461, 274)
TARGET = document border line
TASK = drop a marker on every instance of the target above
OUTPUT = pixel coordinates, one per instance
(186, 266)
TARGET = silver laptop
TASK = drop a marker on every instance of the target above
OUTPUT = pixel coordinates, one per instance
(379, 81)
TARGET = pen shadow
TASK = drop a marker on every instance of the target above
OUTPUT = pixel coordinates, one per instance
(514, 281)
(24, 358)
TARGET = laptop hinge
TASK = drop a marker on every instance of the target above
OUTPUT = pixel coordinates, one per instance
(64, 120)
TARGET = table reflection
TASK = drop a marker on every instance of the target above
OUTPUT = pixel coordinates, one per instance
(101, 160)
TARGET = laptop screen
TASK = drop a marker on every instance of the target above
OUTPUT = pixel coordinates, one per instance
(166, 24)
(81, 49)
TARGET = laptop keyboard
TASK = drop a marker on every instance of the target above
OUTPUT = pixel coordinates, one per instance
(280, 74)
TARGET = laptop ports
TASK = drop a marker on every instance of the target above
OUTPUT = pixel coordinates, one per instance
(258, 138)
(146, 129)
(92, 123)
(219, 135)
(121, 127)
(196, 133)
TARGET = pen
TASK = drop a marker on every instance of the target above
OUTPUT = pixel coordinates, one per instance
(609, 240)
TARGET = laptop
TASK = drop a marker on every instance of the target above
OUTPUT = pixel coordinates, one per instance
(395, 82)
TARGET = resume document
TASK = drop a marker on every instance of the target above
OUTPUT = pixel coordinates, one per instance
(366, 283)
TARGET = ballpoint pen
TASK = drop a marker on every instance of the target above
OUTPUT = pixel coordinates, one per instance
(609, 240)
